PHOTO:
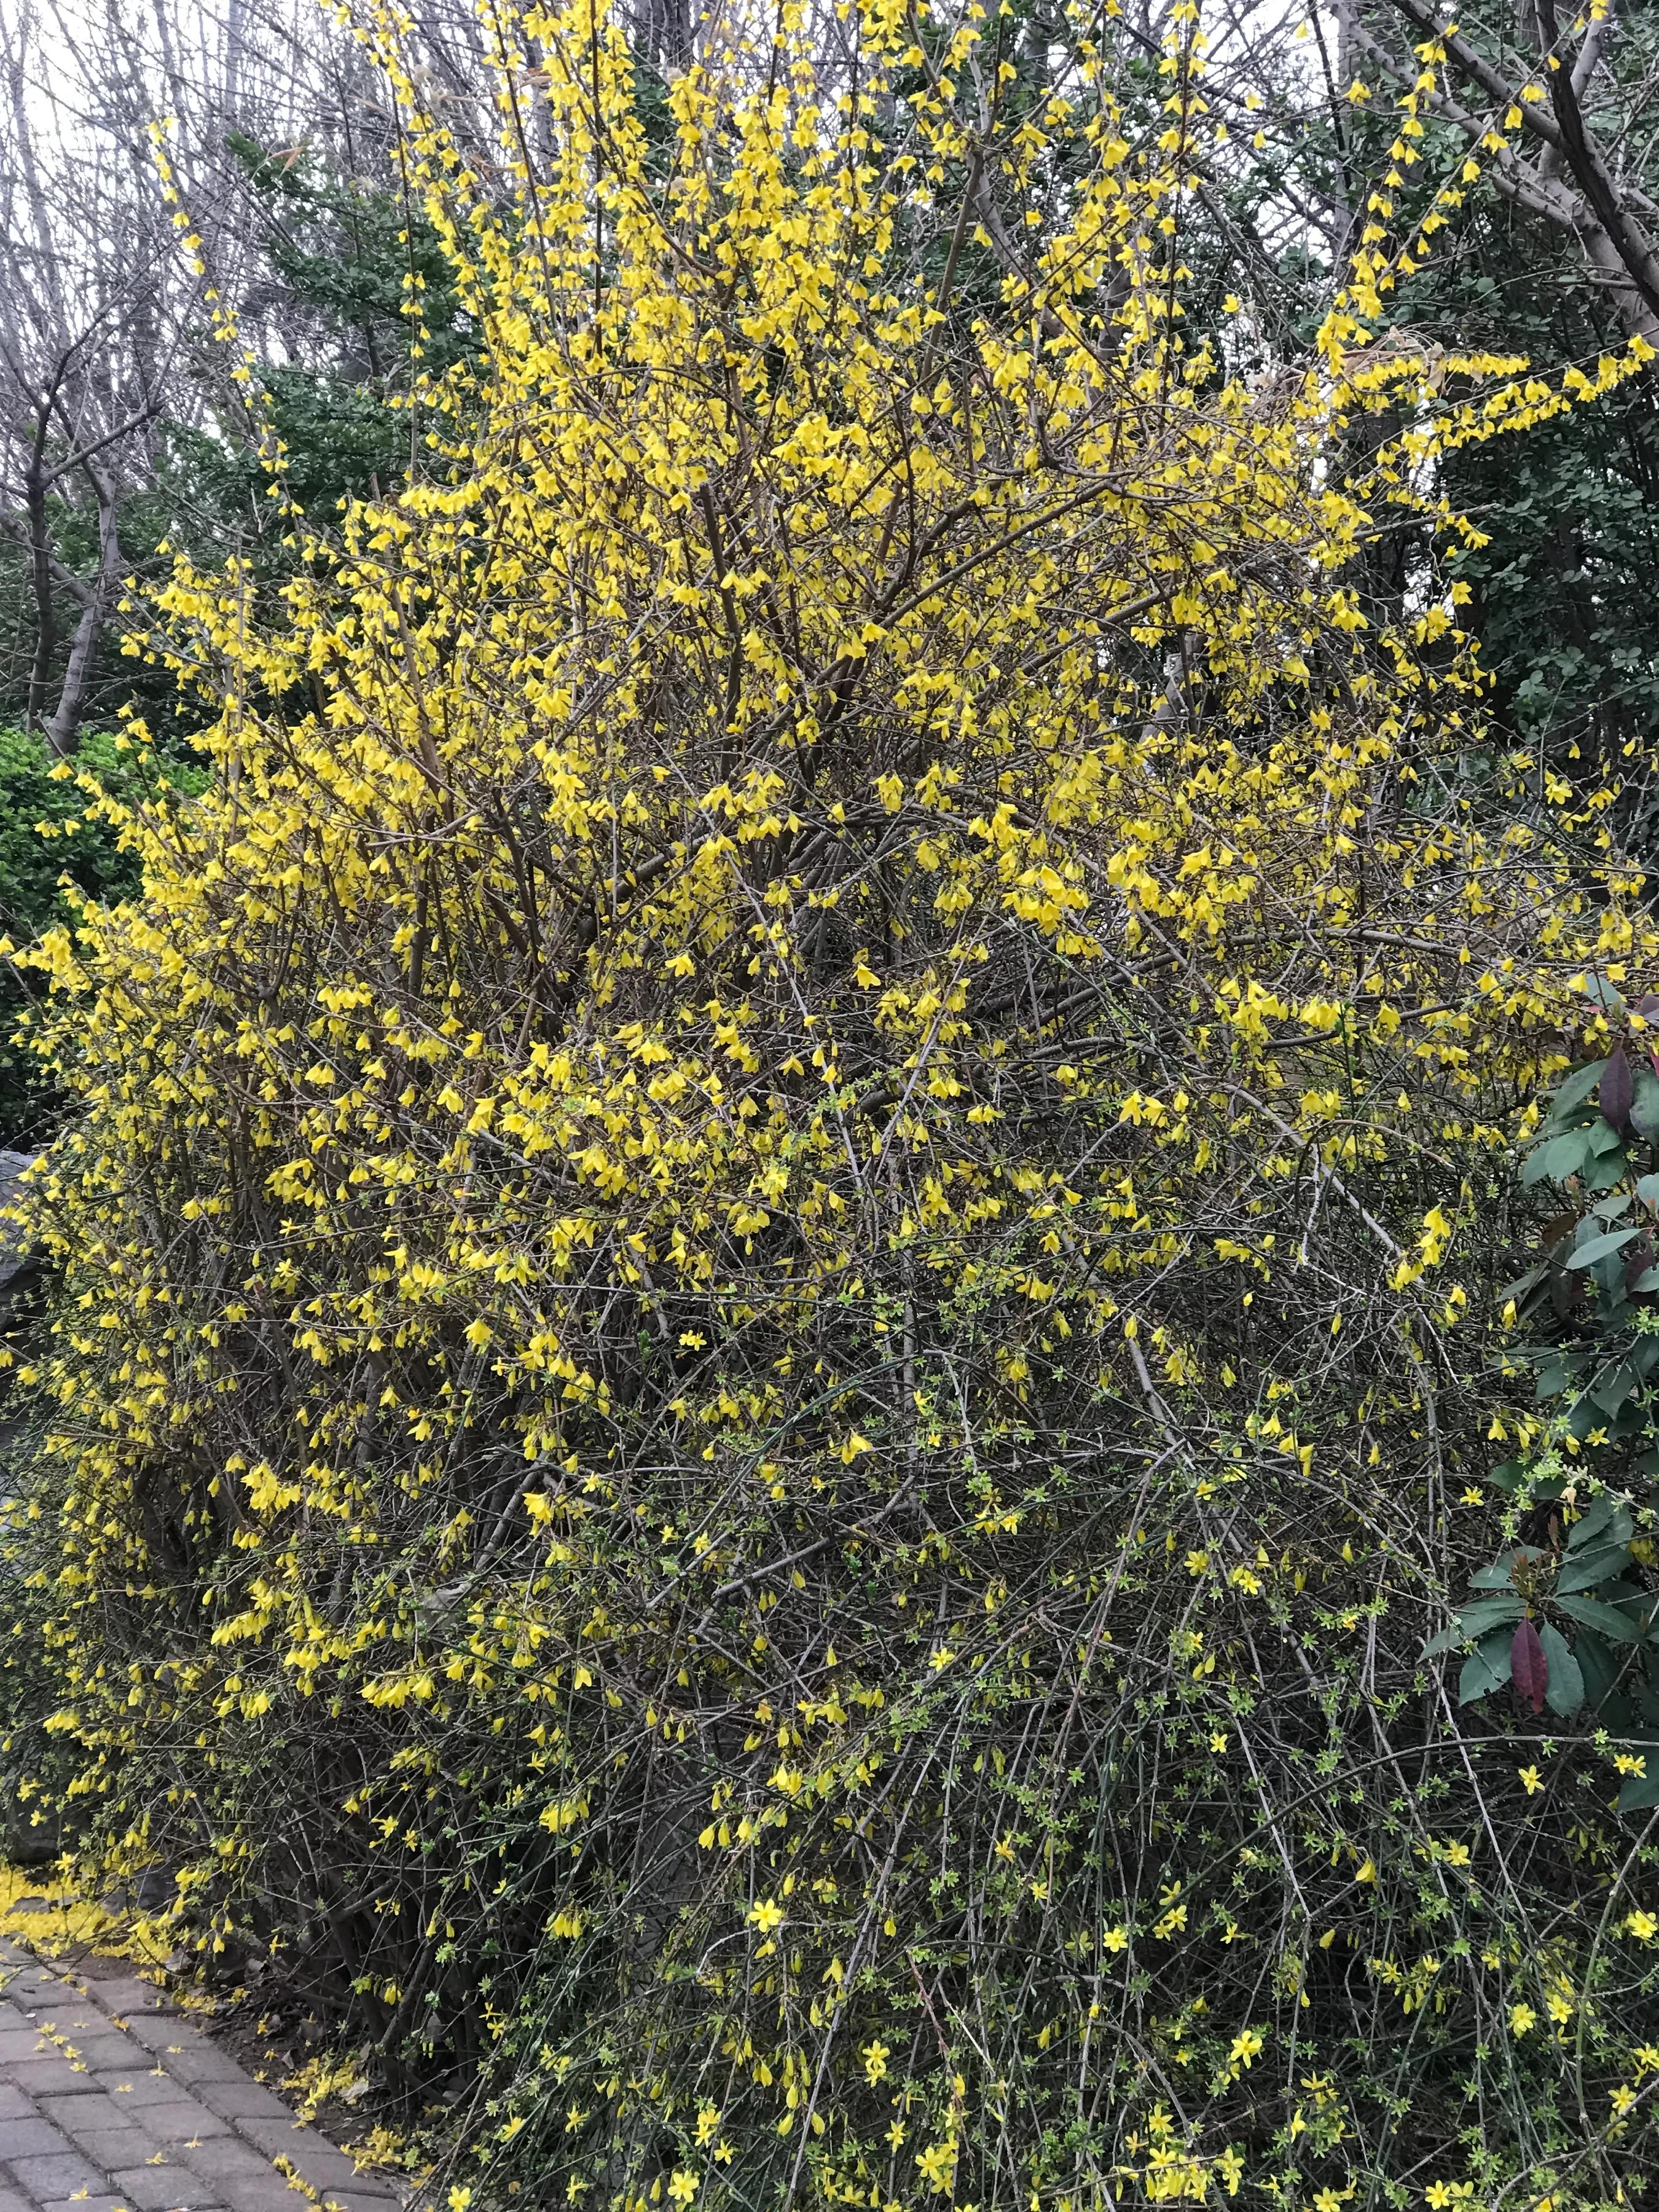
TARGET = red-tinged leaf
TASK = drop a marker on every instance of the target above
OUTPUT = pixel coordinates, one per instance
(1648, 1005)
(1618, 1090)
(1529, 1670)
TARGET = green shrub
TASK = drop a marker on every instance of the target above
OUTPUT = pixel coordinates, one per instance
(50, 846)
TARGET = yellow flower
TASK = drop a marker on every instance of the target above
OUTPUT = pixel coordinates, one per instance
(1522, 2017)
(766, 1916)
(1531, 1780)
(875, 2056)
(937, 2164)
(1641, 1924)
(1246, 2047)
(682, 2187)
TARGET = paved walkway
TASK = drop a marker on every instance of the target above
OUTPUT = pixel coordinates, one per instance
(109, 2099)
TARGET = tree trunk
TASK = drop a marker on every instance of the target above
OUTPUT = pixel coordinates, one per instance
(63, 731)
(46, 610)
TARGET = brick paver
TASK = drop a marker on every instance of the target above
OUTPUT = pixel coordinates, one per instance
(110, 2101)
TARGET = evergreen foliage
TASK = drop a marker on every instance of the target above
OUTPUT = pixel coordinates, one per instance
(56, 852)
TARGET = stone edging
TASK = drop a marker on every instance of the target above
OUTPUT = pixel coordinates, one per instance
(217, 2129)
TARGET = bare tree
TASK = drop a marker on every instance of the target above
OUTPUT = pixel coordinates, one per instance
(106, 340)
(83, 364)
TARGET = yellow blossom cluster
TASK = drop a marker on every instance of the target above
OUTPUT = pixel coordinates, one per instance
(763, 1340)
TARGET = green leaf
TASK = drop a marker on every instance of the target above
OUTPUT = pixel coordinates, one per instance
(1555, 1375)
(1581, 1570)
(1585, 1415)
(1513, 1476)
(1629, 1597)
(1589, 1613)
(1599, 1668)
(1605, 1520)
(1475, 1621)
(1564, 1692)
(1642, 1790)
(1603, 1173)
(1500, 1574)
(1487, 1668)
(1601, 1248)
(1645, 1112)
(1564, 1156)
(1576, 1089)
(1610, 1391)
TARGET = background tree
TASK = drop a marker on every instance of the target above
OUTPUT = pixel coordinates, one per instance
(84, 359)
(1559, 603)
(126, 426)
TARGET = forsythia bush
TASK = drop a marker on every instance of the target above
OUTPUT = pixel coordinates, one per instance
(776, 1327)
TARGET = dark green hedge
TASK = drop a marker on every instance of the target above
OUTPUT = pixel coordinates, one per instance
(48, 841)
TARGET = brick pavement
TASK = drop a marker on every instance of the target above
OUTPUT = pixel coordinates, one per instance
(110, 2101)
